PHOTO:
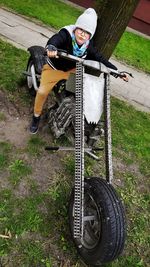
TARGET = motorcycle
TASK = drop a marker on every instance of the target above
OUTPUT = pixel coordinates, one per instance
(96, 214)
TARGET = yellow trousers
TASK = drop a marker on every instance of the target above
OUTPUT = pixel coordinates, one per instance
(49, 78)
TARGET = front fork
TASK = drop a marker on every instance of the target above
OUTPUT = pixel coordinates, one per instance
(79, 217)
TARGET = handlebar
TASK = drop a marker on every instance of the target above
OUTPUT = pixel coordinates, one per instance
(120, 74)
(95, 65)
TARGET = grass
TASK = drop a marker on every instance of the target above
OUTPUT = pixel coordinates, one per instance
(4, 154)
(35, 146)
(18, 169)
(2, 116)
(53, 13)
(31, 227)
(16, 59)
(131, 135)
(36, 222)
(132, 49)
(22, 219)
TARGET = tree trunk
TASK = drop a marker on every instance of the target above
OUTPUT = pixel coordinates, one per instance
(113, 18)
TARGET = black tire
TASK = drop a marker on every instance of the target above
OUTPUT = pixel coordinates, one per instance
(104, 238)
(29, 80)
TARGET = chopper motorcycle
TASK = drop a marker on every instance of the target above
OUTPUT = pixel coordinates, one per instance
(96, 214)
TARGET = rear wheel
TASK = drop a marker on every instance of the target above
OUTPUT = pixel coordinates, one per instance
(104, 232)
(32, 83)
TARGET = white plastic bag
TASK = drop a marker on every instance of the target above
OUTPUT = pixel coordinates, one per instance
(93, 92)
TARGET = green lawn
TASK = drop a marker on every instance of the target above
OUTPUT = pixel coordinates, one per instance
(51, 12)
(132, 49)
(16, 59)
(35, 219)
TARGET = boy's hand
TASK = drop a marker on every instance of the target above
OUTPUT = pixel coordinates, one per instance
(125, 77)
(51, 51)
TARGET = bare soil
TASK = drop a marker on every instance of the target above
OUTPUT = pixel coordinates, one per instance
(14, 129)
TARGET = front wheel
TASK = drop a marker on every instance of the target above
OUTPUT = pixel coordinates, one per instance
(104, 234)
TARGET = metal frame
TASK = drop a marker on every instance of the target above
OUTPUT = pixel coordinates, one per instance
(81, 65)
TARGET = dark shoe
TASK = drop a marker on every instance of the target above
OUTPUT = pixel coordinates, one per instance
(34, 125)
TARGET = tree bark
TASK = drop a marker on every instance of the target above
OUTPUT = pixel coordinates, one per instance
(113, 18)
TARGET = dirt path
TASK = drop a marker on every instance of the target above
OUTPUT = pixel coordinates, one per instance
(14, 129)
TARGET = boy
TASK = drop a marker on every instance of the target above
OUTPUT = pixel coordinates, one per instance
(76, 40)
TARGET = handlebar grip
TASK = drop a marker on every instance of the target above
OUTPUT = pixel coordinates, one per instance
(59, 51)
(51, 148)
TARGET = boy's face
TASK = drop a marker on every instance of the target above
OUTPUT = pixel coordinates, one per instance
(81, 36)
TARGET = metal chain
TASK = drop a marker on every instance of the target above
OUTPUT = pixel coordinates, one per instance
(108, 141)
(79, 154)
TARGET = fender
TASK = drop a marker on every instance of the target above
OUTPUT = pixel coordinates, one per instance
(37, 54)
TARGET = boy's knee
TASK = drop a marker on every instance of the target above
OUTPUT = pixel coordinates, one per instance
(43, 91)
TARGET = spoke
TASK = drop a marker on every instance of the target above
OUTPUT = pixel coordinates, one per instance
(89, 218)
(92, 223)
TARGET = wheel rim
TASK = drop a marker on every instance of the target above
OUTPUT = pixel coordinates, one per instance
(92, 228)
(29, 78)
